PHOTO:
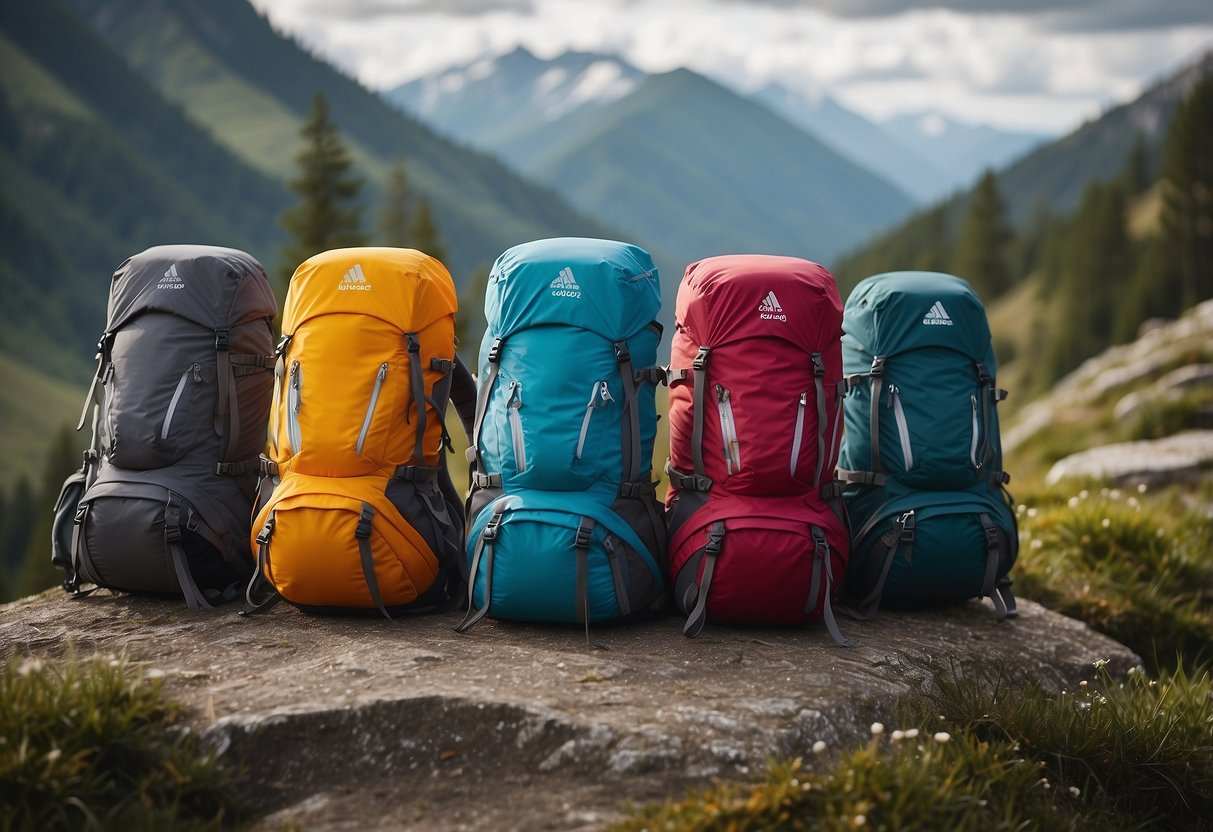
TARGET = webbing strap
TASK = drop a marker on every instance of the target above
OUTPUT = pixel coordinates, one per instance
(233, 439)
(581, 547)
(631, 448)
(418, 395)
(194, 598)
(875, 381)
(260, 575)
(223, 364)
(277, 403)
(823, 569)
(482, 401)
(72, 583)
(238, 469)
(687, 482)
(819, 372)
(1003, 590)
(875, 572)
(701, 382)
(861, 477)
(621, 590)
(699, 615)
(993, 556)
(362, 533)
(484, 547)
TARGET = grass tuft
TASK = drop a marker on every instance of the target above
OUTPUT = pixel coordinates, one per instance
(1140, 573)
(1131, 756)
(93, 745)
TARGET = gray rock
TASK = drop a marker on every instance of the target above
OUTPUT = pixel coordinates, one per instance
(362, 723)
(1184, 457)
(1171, 386)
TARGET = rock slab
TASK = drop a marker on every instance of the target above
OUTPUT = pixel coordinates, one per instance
(362, 723)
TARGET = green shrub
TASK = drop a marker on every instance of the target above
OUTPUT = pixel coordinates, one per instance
(1138, 570)
(1165, 416)
(1137, 756)
(89, 745)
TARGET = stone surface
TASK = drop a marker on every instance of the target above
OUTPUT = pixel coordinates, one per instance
(1186, 340)
(1171, 386)
(362, 723)
(1184, 457)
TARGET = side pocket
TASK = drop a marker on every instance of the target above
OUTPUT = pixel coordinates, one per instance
(424, 507)
(65, 520)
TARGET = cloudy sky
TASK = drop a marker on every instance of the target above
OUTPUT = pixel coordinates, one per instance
(1041, 65)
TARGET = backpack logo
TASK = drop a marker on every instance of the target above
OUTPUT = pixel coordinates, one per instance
(354, 281)
(565, 286)
(937, 316)
(171, 279)
(770, 310)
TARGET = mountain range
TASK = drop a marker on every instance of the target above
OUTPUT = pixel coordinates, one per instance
(676, 160)
(519, 106)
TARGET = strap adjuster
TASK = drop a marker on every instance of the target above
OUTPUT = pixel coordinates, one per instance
(495, 351)
(906, 523)
(622, 354)
(877, 365)
(715, 540)
(223, 341)
(991, 533)
(364, 522)
(489, 534)
(582, 540)
(637, 489)
(442, 365)
(701, 358)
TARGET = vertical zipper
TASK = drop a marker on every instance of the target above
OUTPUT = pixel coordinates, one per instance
(513, 405)
(370, 410)
(973, 444)
(903, 430)
(275, 404)
(196, 371)
(728, 430)
(294, 400)
(798, 434)
(599, 396)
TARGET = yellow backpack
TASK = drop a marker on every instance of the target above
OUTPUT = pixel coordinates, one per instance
(357, 511)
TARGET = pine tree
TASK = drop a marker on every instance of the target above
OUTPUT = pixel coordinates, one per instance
(981, 248)
(1187, 205)
(1135, 175)
(425, 232)
(327, 214)
(1097, 261)
(62, 459)
(394, 216)
(20, 510)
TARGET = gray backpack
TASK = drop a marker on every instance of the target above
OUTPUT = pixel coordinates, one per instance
(179, 406)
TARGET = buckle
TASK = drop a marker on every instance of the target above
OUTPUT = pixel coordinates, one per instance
(701, 358)
(877, 365)
(282, 345)
(495, 351)
(414, 344)
(715, 540)
(222, 340)
(982, 373)
(267, 531)
(906, 522)
(622, 354)
(490, 529)
(991, 533)
(819, 365)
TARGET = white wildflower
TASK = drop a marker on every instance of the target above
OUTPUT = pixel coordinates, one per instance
(1083, 683)
(1142, 488)
(859, 820)
(819, 746)
(1073, 502)
(155, 673)
(1037, 543)
(1044, 781)
(1032, 512)
(942, 737)
(1077, 792)
(29, 666)
(1084, 494)
(1100, 664)
(912, 733)
(1114, 493)
(877, 729)
(898, 736)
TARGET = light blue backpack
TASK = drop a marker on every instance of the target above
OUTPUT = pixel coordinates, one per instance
(563, 521)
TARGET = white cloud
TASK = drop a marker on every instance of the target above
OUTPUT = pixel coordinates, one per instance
(1046, 69)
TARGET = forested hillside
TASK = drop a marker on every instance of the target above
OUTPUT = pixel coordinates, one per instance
(1078, 244)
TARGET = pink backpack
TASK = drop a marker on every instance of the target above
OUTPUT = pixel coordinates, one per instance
(756, 387)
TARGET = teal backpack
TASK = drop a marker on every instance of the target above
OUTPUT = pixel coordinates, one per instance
(563, 521)
(931, 520)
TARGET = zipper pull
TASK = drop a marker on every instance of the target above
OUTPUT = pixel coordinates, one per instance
(197, 372)
(605, 393)
(804, 399)
(515, 398)
(296, 385)
(722, 393)
(893, 391)
(382, 371)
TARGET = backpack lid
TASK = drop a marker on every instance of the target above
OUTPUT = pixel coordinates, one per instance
(898, 311)
(215, 287)
(402, 286)
(736, 296)
(605, 286)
